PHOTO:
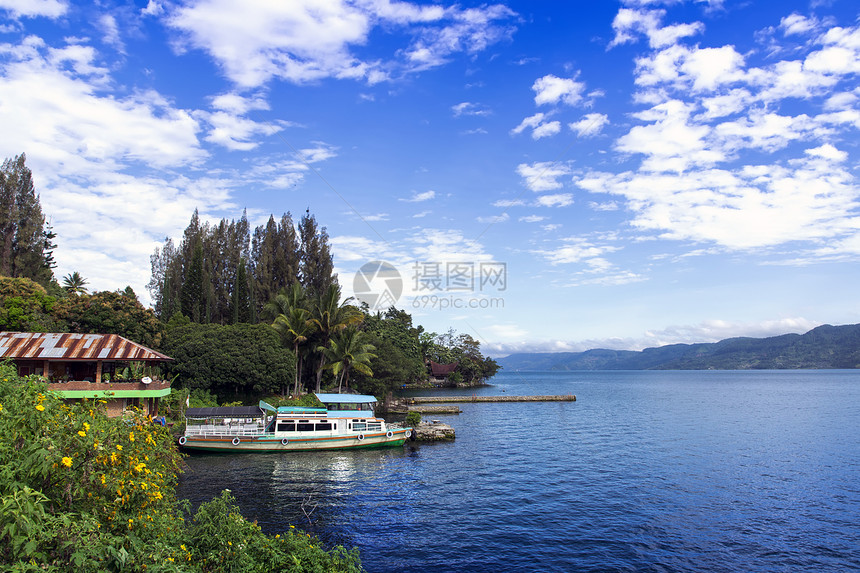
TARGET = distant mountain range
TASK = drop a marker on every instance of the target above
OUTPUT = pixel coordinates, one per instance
(823, 347)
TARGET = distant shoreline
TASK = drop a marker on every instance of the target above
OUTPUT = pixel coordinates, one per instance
(823, 348)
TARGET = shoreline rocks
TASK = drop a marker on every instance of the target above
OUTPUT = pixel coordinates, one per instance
(433, 432)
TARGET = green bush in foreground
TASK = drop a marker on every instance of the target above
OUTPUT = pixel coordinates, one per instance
(83, 492)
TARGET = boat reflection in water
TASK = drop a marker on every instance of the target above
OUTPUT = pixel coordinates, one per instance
(330, 494)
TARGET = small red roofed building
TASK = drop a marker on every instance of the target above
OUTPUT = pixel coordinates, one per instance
(96, 366)
(439, 372)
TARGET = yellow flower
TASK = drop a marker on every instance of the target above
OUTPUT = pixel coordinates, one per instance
(82, 433)
(182, 547)
(131, 437)
(67, 461)
(103, 479)
(40, 408)
(229, 543)
(86, 426)
(1, 407)
(119, 447)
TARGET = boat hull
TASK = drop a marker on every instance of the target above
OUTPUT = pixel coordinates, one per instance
(269, 443)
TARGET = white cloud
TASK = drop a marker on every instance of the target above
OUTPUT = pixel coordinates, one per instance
(542, 176)
(671, 142)
(552, 89)
(505, 203)
(52, 96)
(445, 245)
(531, 121)
(827, 151)
(547, 130)
(304, 40)
(153, 8)
(110, 29)
(419, 197)
(703, 332)
(755, 207)
(796, 24)
(629, 23)
(609, 206)
(494, 219)
(376, 217)
(717, 330)
(590, 124)
(469, 108)
(34, 8)
(556, 200)
(532, 219)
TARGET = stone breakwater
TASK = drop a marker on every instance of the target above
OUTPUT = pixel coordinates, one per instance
(434, 409)
(456, 399)
(433, 432)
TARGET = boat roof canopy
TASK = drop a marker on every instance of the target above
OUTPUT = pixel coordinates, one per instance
(346, 398)
(225, 412)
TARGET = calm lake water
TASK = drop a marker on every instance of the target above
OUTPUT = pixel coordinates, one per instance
(647, 471)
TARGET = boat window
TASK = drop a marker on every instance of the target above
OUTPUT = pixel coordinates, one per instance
(286, 427)
(305, 427)
(359, 427)
(321, 427)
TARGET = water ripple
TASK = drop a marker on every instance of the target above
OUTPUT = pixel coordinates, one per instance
(648, 471)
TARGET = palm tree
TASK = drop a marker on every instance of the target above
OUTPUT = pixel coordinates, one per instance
(292, 321)
(330, 316)
(348, 351)
(74, 283)
(294, 328)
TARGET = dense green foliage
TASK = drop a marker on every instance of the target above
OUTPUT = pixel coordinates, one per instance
(26, 247)
(234, 362)
(472, 366)
(83, 492)
(26, 306)
(823, 347)
(398, 359)
(111, 313)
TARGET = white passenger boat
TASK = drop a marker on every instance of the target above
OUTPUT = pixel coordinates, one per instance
(346, 422)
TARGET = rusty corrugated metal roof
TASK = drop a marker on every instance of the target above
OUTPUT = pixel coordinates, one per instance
(72, 346)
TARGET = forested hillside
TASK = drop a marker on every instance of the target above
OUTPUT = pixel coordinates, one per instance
(823, 347)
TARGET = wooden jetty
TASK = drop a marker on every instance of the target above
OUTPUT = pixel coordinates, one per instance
(459, 399)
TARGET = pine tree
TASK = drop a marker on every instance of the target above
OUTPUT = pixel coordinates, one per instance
(274, 259)
(26, 245)
(316, 263)
(241, 300)
(193, 299)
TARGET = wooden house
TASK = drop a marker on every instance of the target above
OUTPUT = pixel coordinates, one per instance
(96, 366)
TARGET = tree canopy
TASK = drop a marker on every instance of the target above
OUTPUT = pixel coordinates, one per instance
(26, 244)
(234, 362)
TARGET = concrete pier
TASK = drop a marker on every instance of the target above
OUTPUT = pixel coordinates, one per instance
(461, 399)
(421, 409)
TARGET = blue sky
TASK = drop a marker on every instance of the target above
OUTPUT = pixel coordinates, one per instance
(621, 175)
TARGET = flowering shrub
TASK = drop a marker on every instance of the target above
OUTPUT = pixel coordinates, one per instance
(83, 492)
